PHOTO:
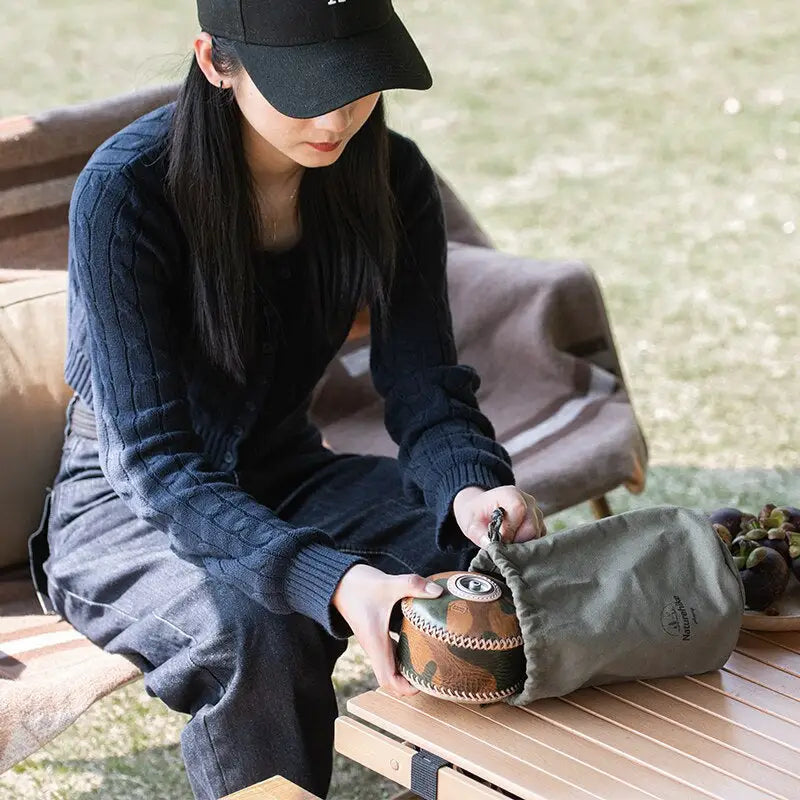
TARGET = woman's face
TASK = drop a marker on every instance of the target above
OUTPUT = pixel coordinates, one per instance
(270, 134)
(275, 143)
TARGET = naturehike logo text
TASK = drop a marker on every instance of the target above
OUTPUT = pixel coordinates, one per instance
(675, 619)
(334, 2)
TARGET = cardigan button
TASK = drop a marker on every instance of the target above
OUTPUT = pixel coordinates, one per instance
(250, 405)
(238, 430)
(228, 457)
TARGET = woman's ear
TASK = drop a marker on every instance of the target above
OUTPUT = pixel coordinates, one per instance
(202, 52)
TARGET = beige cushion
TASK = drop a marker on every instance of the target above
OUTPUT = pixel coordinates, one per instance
(33, 399)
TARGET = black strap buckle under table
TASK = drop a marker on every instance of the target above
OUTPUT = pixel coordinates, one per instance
(425, 768)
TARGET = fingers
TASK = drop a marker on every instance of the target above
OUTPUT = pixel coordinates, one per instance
(380, 648)
(523, 519)
(390, 678)
(376, 641)
(514, 519)
(529, 530)
(381, 653)
(417, 586)
(532, 525)
(476, 532)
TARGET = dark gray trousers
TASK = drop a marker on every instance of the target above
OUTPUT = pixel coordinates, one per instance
(256, 684)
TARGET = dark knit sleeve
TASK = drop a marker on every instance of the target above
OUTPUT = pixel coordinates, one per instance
(123, 256)
(445, 442)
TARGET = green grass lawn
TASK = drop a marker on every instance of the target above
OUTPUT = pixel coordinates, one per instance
(659, 142)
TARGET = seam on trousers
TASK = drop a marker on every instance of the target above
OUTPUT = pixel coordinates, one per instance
(93, 602)
(374, 552)
(216, 755)
(89, 602)
(193, 640)
(175, 627)
(68, 449)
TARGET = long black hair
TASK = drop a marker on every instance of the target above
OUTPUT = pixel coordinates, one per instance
(347, 214)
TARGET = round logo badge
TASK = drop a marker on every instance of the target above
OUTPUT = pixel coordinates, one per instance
(472, 586)
(675, 619)
(669, 620)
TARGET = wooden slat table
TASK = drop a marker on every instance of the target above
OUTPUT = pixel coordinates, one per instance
(732, 734)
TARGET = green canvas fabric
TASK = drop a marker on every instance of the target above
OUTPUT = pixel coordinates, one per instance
(646, 594)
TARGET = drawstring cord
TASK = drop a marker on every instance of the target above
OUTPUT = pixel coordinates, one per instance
(496, 521)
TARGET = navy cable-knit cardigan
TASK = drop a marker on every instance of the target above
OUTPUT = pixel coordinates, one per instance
(169, 433)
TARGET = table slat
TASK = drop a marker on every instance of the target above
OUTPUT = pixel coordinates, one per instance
(641, 749)
(727, 705)
(531, 747)
(754, 694)
(788, 639)
(765, 650)
(760, 776)
(731, 730)
(757, 671)
(392, 759)
(523, 780)
(374, 750)
(591, 753)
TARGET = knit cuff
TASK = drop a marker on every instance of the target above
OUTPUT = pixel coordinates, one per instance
(449, 536)
(312, 579)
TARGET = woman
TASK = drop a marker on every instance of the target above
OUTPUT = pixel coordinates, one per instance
(220, 248)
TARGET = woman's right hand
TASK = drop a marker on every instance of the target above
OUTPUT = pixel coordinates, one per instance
(365, 597)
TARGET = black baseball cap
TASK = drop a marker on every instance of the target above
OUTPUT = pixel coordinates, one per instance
(309, 57)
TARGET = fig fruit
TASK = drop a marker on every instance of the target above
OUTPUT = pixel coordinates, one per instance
(764, 577)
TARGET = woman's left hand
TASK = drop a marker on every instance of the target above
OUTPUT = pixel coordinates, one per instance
(522, 522)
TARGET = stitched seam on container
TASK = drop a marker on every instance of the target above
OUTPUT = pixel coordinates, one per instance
(459, 640)
(454, 693)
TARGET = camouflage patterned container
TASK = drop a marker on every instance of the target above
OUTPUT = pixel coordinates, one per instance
(465, 645)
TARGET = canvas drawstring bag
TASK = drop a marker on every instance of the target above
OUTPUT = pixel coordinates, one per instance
(649, 593)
